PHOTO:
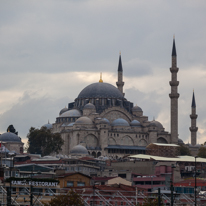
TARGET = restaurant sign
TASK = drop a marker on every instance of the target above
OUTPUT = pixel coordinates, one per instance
(34, 183)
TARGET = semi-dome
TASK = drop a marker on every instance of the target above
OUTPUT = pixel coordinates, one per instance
(71, 124)
(84, 120)
(120, 122)
(89, 106)
(136, 109)
(104, 121)
(157, 124)
(100, 90)
(9, 137)
(135, 123)
(71, 113)
(63, 110)
(48, 125)
(79, 149)
(180, 141)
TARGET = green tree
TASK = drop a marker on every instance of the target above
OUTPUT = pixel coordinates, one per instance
(183, 150)
(151, 201)
(202, 152)
(42, 141)
(12, 129)
(70, 199)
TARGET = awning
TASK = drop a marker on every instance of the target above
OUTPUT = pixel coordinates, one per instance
(125, 147)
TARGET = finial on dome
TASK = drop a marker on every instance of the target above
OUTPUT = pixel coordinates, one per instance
(101, 81)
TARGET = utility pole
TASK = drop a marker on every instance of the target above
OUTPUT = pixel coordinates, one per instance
(172, 188)
(159, 197)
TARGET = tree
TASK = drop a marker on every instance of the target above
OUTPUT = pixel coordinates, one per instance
(151, 201)
(12, 129)
(42, 141)
(70, 199)
(183, 150)
(202, 152)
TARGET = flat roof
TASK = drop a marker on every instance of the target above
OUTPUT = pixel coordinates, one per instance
(125, 147)
(169, 159)
(166, 145)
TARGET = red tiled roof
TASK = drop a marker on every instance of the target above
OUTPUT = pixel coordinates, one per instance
(191, 182)
(86, 158)
(102, 178)
(148, 186)
(72, 173)
(142, 179)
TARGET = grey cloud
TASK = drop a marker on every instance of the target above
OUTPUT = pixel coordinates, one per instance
(137, 68)
(63, 36)
(31, 111)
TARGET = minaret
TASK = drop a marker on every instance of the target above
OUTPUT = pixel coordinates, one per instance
(120, 83)
(193, 118)
(174, 96)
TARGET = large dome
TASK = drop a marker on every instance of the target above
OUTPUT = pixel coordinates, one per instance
(9, 137)
(100, 90)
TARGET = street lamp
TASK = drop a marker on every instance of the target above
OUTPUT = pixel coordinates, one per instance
(172, 199)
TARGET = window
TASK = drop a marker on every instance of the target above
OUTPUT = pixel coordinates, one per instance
(80, 183)
(70, 184)
(121, 203)
(72, 168)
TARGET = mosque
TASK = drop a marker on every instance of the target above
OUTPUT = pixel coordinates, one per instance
(104, 122)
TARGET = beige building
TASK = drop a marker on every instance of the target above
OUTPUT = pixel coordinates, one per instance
(107, 124)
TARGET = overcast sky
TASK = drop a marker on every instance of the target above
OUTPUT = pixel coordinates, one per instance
(51, 49)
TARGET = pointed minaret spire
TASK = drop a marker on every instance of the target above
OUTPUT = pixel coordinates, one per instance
(120, 82)
(120, 63)
(193, 117)
(193, 100)
(174, 95)
(174, 47)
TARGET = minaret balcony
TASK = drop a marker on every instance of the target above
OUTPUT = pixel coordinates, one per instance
(173, 96)
(174, 69)
(120, 84)
(174, 83)
(193, 116)
(193, 129)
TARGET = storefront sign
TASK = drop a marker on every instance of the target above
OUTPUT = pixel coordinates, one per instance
(34, 183)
